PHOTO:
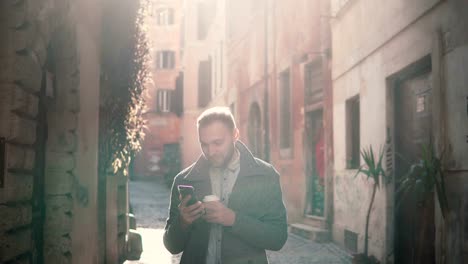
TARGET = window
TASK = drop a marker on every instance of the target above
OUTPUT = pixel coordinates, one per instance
(165, 16)
(204, 83)
(165, 59)
(285, 114)
(164, 101)
(313, 82)
(353, 133)
(177, 102)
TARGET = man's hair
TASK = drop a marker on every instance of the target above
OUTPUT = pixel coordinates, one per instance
(221, 114)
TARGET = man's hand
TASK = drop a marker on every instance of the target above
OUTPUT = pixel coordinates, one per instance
(188, 214)
(217, 213)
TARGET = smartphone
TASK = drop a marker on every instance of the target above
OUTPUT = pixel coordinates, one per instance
(185, 190)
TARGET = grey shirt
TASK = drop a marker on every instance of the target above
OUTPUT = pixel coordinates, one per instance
(222, 182)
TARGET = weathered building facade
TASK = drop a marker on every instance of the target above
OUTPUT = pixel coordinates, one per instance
(269, 61)
(399, 83)
(312, 83)
(279, 65)
(49, 130)
(164, 93)
(205, 68)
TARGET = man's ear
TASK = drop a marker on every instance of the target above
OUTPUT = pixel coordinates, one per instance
(236, 134)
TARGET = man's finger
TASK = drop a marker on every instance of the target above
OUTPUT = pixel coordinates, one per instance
(195, 206)
(196, 212)
(185, 200)
(213, 207)
(211, 218)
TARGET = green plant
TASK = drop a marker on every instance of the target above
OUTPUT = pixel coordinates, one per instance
(124, 75)
(373, 169)
(423, 177)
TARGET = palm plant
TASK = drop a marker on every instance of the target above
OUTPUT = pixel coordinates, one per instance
(423, 177)
(373, 169)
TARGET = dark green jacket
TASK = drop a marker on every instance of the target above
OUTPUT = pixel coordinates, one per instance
(256, 199)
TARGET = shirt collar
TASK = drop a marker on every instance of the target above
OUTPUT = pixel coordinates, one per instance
(233, 165)
(250, 166)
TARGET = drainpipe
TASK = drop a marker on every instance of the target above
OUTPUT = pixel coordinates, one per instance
(266, 109)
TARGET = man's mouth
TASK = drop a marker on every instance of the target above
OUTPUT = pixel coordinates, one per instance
(216, 160)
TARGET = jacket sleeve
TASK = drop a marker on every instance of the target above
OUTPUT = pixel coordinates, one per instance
(175, 237)
(270, 231)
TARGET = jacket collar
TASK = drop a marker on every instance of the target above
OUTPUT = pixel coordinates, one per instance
(248, 165)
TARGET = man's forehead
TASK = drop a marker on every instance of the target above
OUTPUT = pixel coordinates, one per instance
(213, 133)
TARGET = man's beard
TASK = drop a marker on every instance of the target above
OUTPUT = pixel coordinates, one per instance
(225, 161)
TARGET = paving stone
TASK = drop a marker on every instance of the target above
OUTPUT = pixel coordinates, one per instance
(150, 203)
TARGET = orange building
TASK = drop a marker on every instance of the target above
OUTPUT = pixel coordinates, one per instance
(164, 94)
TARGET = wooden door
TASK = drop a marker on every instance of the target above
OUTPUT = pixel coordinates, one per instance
(315, 164)
(414, 219)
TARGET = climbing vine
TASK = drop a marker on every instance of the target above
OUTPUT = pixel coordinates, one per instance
(123, 78)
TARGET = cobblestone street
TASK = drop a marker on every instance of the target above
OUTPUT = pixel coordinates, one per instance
(150, 201)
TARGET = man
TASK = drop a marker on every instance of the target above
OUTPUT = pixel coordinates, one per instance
(250, 216)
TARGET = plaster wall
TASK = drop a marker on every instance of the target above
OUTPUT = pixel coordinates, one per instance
(196, 50)
(400, 34)
(88, 38)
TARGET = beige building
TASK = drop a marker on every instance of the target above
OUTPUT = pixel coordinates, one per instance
(399, 80)
(204, 66)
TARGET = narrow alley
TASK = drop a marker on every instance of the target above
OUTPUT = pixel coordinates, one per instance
(341, 125)
(150, 201)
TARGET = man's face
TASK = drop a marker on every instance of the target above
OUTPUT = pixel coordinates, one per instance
(217, 143)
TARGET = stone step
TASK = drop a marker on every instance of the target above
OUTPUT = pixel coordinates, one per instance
(315, 221)
(319, 235)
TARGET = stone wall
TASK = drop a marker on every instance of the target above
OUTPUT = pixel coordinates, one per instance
(37, 33)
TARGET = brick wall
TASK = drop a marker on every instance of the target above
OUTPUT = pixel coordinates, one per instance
(24, 51)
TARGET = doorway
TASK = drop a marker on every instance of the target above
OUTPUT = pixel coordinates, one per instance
(315, 164)
(414, 215)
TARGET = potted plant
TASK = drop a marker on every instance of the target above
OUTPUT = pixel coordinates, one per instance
(372, 169)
